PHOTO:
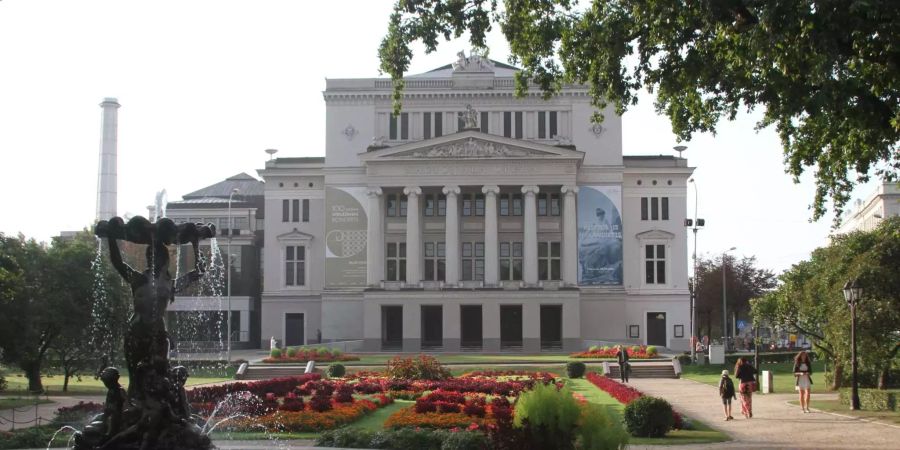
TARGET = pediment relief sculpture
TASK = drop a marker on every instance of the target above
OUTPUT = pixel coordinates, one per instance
(471, 148)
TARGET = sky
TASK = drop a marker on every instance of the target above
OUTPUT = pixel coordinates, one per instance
(207, 86)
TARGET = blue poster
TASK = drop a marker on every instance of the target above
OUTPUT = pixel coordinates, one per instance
(599, 235)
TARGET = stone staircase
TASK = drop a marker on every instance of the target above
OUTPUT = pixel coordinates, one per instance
(268, 371)
(643, 369)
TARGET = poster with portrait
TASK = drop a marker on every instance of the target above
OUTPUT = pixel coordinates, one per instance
(345, 236)
(599, 235)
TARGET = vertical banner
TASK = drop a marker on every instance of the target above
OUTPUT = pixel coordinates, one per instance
(345, 236)
(599, 235)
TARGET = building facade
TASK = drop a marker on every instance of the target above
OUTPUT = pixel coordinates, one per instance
(473, 220)
(867, 214)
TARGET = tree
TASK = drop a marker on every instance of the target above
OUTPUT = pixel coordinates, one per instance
(743, 281)
(810, 301)
(825, 74)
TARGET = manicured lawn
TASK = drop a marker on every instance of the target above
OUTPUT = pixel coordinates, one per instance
(783, 375)
(700, 434)
(87, 386)
(16, 402)
(375, 421)
(835, 406)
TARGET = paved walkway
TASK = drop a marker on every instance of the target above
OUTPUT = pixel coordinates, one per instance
(25, 415)
(775, 423)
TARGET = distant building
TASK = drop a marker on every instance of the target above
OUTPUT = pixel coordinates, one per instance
(196, 319)
(866, 214)
(473, 220)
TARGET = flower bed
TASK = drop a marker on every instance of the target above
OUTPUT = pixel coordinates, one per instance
(301, 355)
(509, 374)
(310, 420)
(624, 394)
(634, 352)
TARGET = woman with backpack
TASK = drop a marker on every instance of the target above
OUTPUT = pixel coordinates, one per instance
(745, 372)
(726, 391)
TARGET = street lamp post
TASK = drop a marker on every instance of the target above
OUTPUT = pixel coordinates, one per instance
(853, 292)
(695, 225)
(724, 304)
(228, 268)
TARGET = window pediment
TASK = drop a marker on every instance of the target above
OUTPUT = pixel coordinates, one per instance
(294, 235)
(655, 234)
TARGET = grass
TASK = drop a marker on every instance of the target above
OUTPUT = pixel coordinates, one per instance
(53, 384)
(700, 434)
(17, 402)
(783, 376)
(835, 406)
(375, 421)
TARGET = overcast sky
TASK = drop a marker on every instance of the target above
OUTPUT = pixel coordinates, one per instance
(206, 86)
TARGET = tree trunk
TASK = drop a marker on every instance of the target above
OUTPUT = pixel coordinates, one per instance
(33, 373)
(66, 375)
(838, 376)
(883, 377)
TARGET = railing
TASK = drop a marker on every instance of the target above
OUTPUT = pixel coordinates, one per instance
(34, 418)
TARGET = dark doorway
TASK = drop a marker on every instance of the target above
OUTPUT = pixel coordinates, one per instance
(392, 328)
(511, 327)
(551, 327)
(470, 327)
(293, 329)
(656, 329)
(432, 327)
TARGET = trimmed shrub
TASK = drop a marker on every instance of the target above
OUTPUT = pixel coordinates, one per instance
(404, 438)
(651, 350)
(336, 371)
(549, 416)
(275, 353)
(648, 417)
(291, 352)
(423, 367)
(599, 431)
(575, 369)
(635, 348)
(593, 348)
(874, 399)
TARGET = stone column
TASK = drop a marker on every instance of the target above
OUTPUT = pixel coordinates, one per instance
(530, 275)
(451, 238)
(491, 246)
(413, 236)
(569, 236)
(374, 238)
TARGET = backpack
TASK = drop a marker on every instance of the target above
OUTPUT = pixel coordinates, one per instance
(726, 388)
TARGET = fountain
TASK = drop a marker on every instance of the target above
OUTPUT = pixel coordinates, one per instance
(153, 412)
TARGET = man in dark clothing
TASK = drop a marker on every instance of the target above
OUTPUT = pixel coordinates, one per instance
(622, 357)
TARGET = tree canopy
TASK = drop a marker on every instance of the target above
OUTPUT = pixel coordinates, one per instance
(743, 282)
(826, 74)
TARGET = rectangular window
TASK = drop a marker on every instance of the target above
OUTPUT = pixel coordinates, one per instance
(554, 204)
(542, 204)
(504, 204)
(654, 208)
(426, 125)
(664, 201)
(395, 266)
(429, 204)
(306, 210)
(404, 126)
(392, 128)
(542, 123)
(442, 205)
(467, 204)
(438, 124)
(479, 204)
(517, 204)
(518, 124)
(655, 264)
(507, 124)
(511, 261)
(553, 131)
(645, 208)
(484, 122)
(295, 266)
(285, 210)
(435, 262)
(403, 204)
(295, 206)
(391, 206)
(549, 261)
(473, 261)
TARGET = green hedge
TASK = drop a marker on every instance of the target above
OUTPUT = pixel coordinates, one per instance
(575, 369)
(874, 399)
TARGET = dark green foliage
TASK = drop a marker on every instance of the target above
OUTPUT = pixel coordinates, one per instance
(744, 281)
(275, 353)
(33, 437)
(549, 416)
(825, 76)
(3, 384)
(404, 438)
(648, 417)
(598, 430)
(336, 371)
(575, 369)
(874, 399)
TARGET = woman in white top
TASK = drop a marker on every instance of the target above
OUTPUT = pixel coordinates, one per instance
(803, 374)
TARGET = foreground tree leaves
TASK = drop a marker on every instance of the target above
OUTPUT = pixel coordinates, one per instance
(825, 74)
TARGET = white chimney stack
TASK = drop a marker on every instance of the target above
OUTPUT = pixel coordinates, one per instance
(107, 182)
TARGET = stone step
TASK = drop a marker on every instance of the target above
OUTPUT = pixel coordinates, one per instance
(645, 370)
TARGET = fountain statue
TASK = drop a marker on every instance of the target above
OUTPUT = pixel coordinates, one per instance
(153, 413)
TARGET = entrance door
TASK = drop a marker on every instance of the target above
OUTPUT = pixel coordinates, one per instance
(510, 327)
(432, 320)
(293, 329)
(391, 327)
(470, 327)
(551, 327)
(656, 329)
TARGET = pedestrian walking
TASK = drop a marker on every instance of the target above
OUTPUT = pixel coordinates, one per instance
(745, 372)
(622, 358)
(726, 391)
(803, 375)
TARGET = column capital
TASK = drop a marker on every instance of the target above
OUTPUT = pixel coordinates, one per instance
(412, 190)
(566, 189)
(530, 189)
(374, 191)
(490, 189)
(451, 190)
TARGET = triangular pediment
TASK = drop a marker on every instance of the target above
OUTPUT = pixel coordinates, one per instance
(655, 234)
(294, 235)
(471, 144)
